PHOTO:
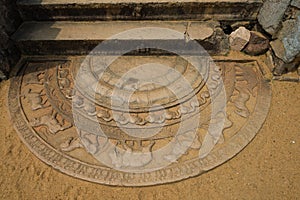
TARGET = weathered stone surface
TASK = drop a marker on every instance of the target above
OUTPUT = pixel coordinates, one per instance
(140, 9)
(9, 22)
(291, 13)
(239, 38)
(82, 37)
(271, 14)
(290, 77)
(278, 48)
(288, 27)
(292, 42)
(42, 95)
(280, 67)
(258, 44)
(295, 3)
(238, 24)
(287, 46)
(218, 43)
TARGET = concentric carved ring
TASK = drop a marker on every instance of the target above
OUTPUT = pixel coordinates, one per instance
(40, 105)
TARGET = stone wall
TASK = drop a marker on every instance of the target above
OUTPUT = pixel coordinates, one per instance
(281, 19)
(9, 22)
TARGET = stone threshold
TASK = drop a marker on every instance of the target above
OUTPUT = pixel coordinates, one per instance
(77, 38)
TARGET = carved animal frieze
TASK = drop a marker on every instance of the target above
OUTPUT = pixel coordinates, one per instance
(51, 122)
(139, 140)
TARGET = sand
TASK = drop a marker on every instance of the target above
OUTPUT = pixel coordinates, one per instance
(268, 168)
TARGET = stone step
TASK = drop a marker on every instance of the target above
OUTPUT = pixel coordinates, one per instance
(224, 10)
(79, 38)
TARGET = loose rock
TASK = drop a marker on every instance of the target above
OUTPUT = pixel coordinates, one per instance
(287, 46)
(258, 44)
(280, 67)
(271, 14)
(278, 48)
(295, 3)
(292, 42)
(239, 38)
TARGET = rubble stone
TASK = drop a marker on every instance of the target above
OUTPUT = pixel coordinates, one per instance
(280, 67)
(287, 46)
(271, 14)
(291, 13)
(258, 44)
(278, 48)
(295, 3)
(239, 38)
(292, 42)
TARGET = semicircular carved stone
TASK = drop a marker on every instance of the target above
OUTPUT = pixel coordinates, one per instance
(43, 97)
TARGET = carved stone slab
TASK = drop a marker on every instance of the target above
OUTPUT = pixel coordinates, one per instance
(43, 98)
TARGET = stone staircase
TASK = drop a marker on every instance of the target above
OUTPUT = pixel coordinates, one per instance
(59, 27)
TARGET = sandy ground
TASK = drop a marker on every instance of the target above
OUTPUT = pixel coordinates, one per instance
(269, 168)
